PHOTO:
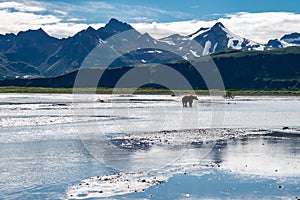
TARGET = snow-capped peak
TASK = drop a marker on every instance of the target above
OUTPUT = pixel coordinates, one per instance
(207, 41)
(219, 38)
(288, 40)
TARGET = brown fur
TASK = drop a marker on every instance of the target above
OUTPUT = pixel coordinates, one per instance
(188, 99)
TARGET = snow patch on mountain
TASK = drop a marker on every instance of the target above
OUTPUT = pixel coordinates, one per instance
(288, 44)
(154, 51)
(174, 39)
(215, 46)
(197, 33)
(194, 53)
(207, 41)
(235, 41)
(206, 48)
(290, 40)
(287, 40)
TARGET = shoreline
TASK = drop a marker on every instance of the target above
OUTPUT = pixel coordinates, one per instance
(145, 91)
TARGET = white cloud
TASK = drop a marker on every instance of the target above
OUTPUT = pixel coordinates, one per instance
(17, 21)
(159, 30)
(64, 19)
(62, 30)
(24, 6)
(85, 7)
(99, 5)
(259, 27)
(262, 26)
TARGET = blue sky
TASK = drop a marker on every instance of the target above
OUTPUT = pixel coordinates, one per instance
(258, 20)
(173, 10)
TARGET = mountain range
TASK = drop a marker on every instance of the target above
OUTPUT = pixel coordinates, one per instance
(33, 53)
(276, 69)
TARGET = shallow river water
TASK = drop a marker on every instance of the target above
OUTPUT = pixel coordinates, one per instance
(53, 144)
